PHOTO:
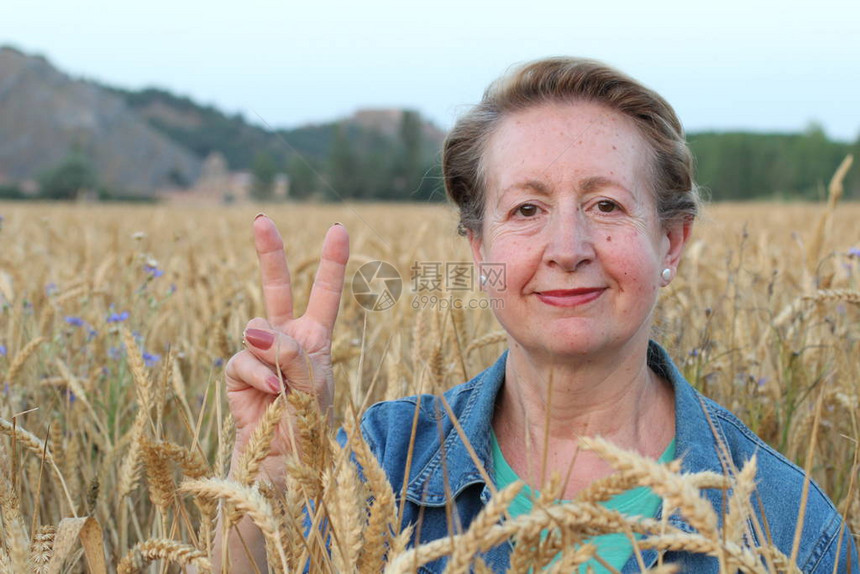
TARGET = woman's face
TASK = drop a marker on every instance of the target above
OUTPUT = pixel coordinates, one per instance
(569, 213)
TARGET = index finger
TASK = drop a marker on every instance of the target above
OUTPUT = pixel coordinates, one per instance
(274, 273)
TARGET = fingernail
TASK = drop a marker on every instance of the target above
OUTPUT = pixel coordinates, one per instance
(274, 383)
(259, 338)
(259, 215)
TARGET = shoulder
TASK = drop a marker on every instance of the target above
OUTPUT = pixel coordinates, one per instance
(709, 436)
(782, 489)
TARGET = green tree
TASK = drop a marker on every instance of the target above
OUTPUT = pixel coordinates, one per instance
(409, 168)
(304, 182)
(264, 171)
(73, 176)
(343, 166)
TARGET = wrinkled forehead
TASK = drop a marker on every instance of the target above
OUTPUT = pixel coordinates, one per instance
(564, 144)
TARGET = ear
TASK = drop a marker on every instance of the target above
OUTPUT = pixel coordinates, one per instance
(674, 239)
(477, 247)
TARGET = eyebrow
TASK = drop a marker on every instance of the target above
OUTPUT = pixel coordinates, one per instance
(588, 185)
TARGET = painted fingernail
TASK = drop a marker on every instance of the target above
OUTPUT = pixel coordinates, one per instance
(274, 383)
(259, 338)
(259, 215)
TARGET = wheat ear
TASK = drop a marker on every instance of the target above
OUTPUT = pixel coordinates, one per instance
(487, 340)
(21, 358)
(41, 549)
(469, 543)
(257, 448)
(675, 489)
(14, 529)
(383, 510)
(36, 446)
(740, 508)
(248, 500)
(345, 503)
(142, 381)
(160, 549)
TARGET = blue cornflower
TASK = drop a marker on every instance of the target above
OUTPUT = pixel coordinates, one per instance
(115, 353)
(854, 252)
(75, 321)
(150, 360)
(762, 381)
(117, 317)
(153, 270)
(2, 350)
(218, 362)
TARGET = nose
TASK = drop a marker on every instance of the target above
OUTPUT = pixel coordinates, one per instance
(569, 243)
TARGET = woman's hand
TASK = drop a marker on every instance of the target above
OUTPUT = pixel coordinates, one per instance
(300, 348)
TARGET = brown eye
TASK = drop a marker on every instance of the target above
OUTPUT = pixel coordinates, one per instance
(527, 210)
(606, 206)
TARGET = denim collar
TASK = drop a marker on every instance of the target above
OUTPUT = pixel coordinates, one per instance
(473, 404)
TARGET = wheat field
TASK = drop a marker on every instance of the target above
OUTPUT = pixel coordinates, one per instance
(116, 323)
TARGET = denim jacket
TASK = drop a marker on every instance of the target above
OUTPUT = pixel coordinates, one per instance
(387, 427)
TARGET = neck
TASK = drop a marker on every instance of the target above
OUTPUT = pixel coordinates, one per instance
(547, 404)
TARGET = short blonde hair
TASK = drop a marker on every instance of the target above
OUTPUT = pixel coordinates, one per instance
(560, 80)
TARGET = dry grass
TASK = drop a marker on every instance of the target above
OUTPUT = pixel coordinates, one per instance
(763, 317)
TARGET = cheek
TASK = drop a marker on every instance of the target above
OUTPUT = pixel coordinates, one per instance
(633, 262)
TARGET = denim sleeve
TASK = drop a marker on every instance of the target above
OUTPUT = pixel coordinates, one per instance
(841, 547)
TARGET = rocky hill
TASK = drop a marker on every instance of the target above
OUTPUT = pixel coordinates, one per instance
(45, 115)
(143, 140)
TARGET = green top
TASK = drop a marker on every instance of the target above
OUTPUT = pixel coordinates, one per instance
(615, 549)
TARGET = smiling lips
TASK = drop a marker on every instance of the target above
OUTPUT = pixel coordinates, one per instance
(570, 297)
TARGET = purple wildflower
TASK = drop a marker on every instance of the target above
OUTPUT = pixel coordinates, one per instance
(75, 321)
(218, 362)
(115, 353)
(2, 350)
(150, 359)
(854, 252)
(117, 317)
(153, 270)
(762, 381)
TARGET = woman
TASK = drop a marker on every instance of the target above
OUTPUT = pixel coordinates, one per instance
(578, 180)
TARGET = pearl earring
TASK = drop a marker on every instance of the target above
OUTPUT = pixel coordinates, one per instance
(666, 274)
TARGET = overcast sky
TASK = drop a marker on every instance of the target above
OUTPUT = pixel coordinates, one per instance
(728, 64)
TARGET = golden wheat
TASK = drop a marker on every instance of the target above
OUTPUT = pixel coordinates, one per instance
(762, 317)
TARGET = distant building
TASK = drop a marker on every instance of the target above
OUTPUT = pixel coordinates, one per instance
(216, 184)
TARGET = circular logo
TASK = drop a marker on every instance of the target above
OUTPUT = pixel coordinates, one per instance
(376, 286)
